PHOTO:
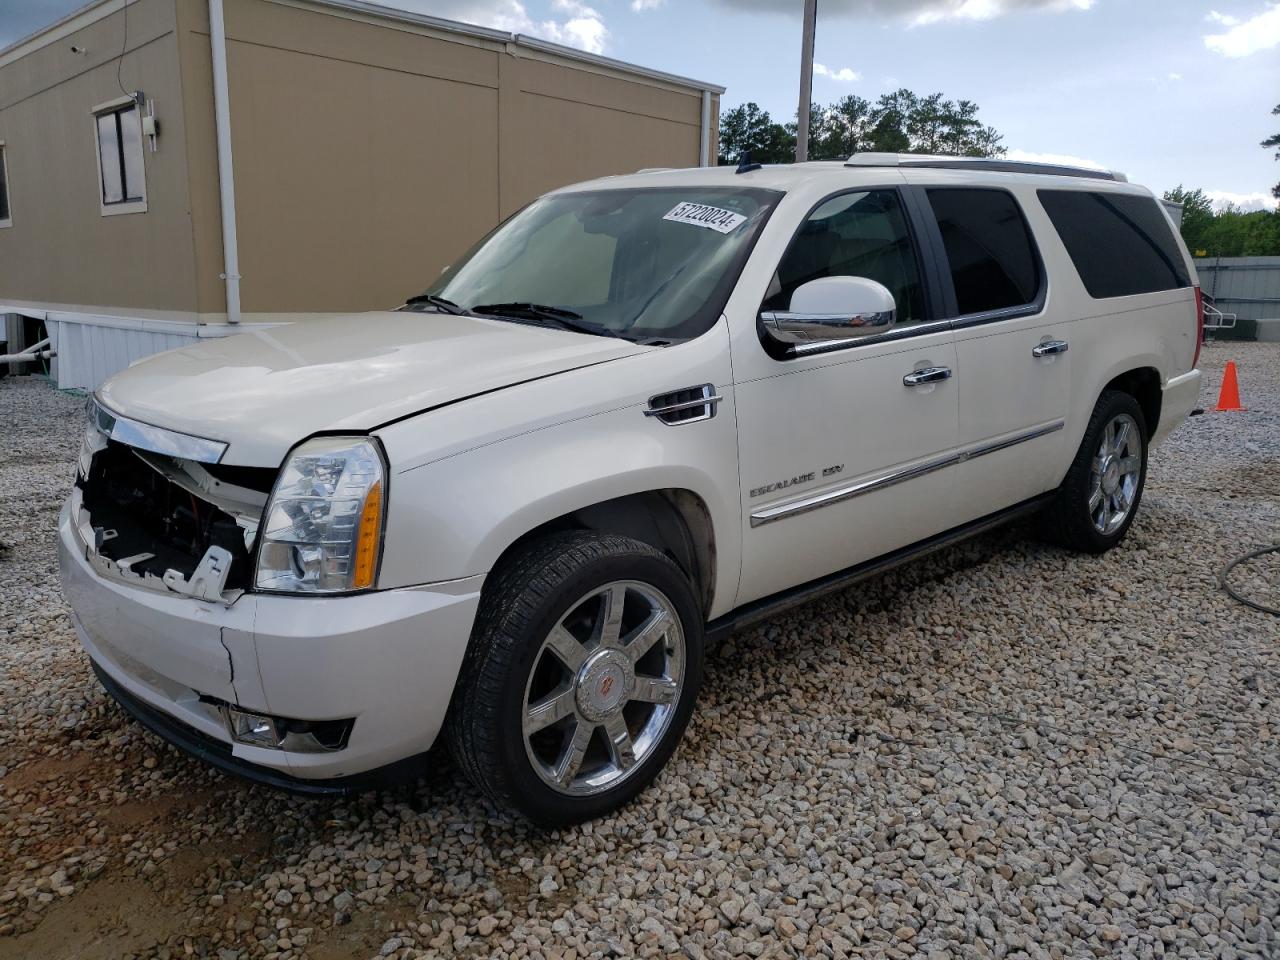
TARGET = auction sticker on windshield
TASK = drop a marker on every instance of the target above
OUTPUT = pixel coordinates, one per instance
(701, 215)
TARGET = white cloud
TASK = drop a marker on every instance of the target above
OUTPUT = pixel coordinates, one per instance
(844, 74)
(1062, 159)
(1223, 18)
(912, 11)
(990, 9)
(640, 6)
(1175, 76)
(584, 29)
(1245, 201)
(573, 23)
(1243, 37)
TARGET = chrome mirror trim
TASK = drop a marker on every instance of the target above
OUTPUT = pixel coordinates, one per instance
(144, 436)
(802, 328)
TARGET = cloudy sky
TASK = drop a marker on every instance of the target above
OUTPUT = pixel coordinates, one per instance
(1169, 91)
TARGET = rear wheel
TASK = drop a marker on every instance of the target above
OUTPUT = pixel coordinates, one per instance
(580, 678)
(1099, 498)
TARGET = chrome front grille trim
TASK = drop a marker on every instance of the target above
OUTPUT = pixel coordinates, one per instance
(144, 436)
(901, 475)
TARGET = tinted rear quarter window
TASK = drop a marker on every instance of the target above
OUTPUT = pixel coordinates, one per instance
(1121, 244)
(993, 259)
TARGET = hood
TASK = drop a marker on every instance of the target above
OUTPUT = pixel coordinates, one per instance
(263, 391)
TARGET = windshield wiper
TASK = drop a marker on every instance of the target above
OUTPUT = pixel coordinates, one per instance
(564, 319)
(440, 303)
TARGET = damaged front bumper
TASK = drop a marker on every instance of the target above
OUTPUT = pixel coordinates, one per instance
(386, 659)
(207, 582)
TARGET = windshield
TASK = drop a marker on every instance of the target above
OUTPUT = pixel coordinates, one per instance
(649, 263)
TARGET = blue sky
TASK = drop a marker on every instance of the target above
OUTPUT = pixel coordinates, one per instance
(1169, 91)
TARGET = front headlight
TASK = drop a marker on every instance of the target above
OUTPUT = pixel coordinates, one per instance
(323, 529)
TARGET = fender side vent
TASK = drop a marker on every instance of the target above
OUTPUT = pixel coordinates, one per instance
(688, 405)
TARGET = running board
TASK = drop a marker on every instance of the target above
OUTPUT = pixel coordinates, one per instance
(724, 627)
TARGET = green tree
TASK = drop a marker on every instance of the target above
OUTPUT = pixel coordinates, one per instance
(749, 130)
(817, 133)
(1197, 214)
(1231, 232)
(847, 127)
(1262, 235)
(1274, 141)
(903, 122)
(889, 121)
(898, 122)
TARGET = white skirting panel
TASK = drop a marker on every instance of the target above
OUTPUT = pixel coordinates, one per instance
(88, 353)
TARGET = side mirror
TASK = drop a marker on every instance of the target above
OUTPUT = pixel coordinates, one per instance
(833, 308)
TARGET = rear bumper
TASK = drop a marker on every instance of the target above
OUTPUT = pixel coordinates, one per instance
(1179, 398)
(388, 659)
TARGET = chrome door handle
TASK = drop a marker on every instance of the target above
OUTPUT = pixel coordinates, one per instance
(1049, 348)
(927, 375)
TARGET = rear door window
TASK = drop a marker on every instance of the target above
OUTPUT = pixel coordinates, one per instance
(1121, 244)
(993, 260)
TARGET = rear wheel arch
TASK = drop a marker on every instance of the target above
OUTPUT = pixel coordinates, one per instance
(1144, 385)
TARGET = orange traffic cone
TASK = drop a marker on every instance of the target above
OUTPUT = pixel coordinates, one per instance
(1229, 395)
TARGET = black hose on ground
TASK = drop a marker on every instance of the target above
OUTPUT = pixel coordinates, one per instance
(1222, 580)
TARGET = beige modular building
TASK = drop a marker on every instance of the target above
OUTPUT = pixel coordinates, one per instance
(171, 169)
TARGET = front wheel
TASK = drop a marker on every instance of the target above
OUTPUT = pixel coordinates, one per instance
(1098, 499)
(580, 678)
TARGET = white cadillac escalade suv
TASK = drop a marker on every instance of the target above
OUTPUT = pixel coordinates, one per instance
(643, 412)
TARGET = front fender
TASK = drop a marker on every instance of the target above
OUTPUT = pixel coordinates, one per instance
(453, 517)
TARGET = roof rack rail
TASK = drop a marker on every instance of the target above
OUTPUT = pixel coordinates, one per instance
(980, 163)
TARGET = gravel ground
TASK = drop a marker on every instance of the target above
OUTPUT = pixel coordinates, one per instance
(1002, 750)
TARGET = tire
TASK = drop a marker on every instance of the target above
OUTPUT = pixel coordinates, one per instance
(536, 606)
(1085, 515)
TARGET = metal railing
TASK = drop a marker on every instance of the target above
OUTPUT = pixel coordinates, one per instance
(1215, 319)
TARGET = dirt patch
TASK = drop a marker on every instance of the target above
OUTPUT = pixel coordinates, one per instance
(368, 930)
(1260, 479)
(46, 770)
(108, 920)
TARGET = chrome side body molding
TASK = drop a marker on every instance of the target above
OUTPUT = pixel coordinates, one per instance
(900, 475)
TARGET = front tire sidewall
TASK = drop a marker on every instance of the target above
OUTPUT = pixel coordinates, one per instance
(528, 792)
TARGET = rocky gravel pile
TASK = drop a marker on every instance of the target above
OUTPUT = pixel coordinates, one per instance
(1002, 750)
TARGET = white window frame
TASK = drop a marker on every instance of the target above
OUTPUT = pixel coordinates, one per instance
(8, 190)
(131, 206)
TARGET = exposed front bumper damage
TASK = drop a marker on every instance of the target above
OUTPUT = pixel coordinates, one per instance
(388, 659)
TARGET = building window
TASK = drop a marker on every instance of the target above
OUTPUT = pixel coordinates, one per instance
(120, 169)
(6, 219)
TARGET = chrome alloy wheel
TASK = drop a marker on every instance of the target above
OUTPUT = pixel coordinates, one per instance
(604, 688)
(1114, 474)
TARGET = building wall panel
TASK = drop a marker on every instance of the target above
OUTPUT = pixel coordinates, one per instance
(195, 60)
(561, 125)
(369, 153)
(355, 184)
(368, 157)
(61, 249)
